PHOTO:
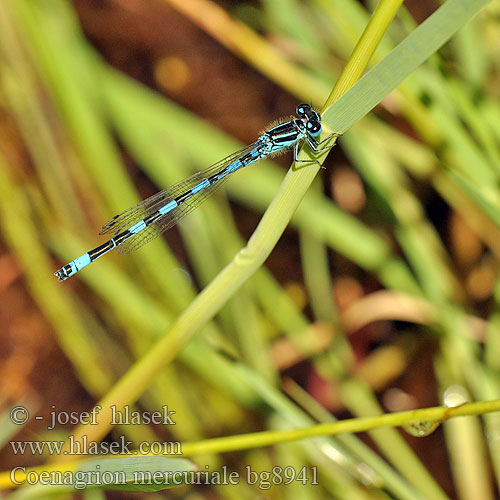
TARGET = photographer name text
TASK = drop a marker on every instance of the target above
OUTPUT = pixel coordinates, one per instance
(118, 416)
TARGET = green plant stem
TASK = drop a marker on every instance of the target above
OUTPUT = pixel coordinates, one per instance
(268, 438)
(129, 388)
(260, 245)
(365, 48)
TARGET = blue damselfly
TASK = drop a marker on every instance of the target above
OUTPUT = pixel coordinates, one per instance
(140, 224)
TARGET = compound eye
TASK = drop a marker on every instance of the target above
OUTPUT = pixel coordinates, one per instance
(303, 109)
(314, 128)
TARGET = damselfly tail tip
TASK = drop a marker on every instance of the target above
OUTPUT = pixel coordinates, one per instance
(61, 274)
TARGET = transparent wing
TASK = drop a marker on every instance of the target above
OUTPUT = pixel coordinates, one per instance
(168, 220)
(129, 217)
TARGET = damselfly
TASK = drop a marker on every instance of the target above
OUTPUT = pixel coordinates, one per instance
(140, 224)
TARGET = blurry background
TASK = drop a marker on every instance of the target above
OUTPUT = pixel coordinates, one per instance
(382, 294)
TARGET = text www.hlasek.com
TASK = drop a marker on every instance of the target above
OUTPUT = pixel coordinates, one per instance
(85, 447)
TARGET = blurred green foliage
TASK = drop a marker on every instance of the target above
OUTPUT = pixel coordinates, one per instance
(436, 137)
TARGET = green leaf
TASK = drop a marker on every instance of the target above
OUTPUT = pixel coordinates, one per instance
(424, 41)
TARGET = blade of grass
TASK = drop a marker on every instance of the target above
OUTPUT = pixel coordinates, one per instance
(422, 43)
(434, 32)
(268, 438)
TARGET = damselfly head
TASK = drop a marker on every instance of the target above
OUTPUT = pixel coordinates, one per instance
(310, 119)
